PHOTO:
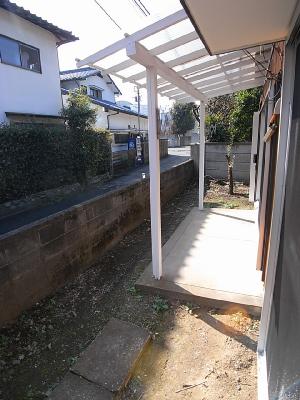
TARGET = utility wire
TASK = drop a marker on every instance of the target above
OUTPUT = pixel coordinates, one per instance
(144, 7)
(111, 18)
(140, 8)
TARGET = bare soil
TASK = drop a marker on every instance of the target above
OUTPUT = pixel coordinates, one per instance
(217, 195)
(199, 354)
(190, 346)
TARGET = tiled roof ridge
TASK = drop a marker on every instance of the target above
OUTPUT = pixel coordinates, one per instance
(63, 35)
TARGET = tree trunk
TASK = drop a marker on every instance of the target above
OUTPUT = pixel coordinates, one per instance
(229, 159)
(230, 178)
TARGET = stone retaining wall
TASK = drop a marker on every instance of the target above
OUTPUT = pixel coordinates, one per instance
(39, 258)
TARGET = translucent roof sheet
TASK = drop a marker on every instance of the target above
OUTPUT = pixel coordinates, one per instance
(180, 49)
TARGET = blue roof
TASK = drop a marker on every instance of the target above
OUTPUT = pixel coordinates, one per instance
(110, 105)
(80, 73)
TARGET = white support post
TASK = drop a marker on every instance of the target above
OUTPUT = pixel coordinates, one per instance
(154, 166)
(253, 165)
(201, 154)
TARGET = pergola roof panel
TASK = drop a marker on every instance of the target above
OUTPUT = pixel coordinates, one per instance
(184, 68)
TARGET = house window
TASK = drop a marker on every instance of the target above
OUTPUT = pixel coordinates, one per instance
(19, 54)
(96, 93)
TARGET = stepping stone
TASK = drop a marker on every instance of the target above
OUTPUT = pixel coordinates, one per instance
(111, 358)
(74, 387)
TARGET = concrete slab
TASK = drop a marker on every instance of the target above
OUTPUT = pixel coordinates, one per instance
(211, 259)
(111, 358)
(74, 387)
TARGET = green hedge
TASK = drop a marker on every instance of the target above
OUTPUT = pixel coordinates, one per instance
(34, 158)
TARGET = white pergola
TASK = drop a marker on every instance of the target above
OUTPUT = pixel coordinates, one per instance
(167, 57)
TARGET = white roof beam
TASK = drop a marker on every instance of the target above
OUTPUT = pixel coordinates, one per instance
(226, 84)
(241, 65)
(246, 83)
(117, 75)
(237, 56)
(222, 68)
(241, 78)
(149, 30)
(216, 79)
(141, 55)
(240, 86)
(170, 45)
(177, 61)
(206, 64)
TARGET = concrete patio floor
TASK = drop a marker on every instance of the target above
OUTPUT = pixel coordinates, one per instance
(210, 259)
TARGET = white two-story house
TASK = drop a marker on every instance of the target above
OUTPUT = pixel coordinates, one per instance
(121, 118)
(29, 69)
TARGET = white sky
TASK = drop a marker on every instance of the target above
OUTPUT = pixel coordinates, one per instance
(95, 30)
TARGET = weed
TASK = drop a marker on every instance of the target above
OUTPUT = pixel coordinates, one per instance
(160, 305)
(135, 292)
(229, 205)
(3, 340)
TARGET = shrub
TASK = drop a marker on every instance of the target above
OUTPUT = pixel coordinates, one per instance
(79, 113)
(34, 158)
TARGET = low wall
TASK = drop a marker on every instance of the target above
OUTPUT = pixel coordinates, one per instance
(163, 149)
(124, 159)
(216, 164)
(179, 141)
(39, 258)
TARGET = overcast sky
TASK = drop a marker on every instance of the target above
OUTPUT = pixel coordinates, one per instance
(94, 29)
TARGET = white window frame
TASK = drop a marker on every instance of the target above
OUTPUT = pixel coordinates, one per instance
(93, 87)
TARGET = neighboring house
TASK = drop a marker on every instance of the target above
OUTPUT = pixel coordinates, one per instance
(121, 118)
(29, 69)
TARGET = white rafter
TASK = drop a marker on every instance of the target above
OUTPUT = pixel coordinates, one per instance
(173, 63)
(216, 79)
(241, 65)
(149, 30)
(170, 45)
(140, 54)
(193, 75)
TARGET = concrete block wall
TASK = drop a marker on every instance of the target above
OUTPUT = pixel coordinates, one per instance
(37, 259)
(216, 164)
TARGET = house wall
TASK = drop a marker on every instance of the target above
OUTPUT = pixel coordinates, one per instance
(38, 258)
(122, 120)
(24, 91)
(107, 92)
(116, 121)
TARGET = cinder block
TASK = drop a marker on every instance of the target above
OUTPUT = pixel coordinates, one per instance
(16, 245)
(54, 229)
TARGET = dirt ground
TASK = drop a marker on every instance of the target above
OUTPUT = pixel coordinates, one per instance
(191, 345)
(199, 354)
(217, 195)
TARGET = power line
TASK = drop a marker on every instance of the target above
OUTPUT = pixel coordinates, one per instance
(143, 6)
(111, 18)
(139, 7)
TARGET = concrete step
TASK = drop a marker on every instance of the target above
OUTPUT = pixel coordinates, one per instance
(105, 367)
